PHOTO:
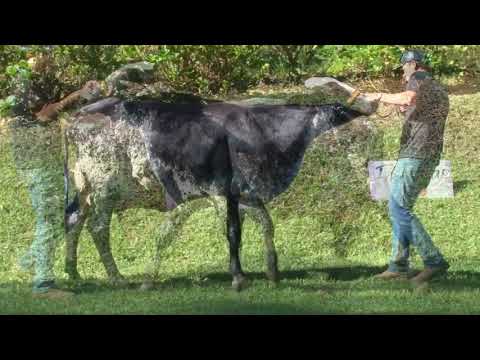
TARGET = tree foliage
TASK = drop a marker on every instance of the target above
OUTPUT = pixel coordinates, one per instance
(220, 69)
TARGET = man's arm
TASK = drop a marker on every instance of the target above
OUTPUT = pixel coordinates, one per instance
(49, 112)
(405, 98)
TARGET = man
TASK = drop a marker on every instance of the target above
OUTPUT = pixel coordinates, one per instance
(37, 151)
(130, 82)
(425, 105)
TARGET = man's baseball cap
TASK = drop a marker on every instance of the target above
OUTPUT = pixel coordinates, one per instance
(411, 55)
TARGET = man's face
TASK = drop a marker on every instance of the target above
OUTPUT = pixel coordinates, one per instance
(408, 70)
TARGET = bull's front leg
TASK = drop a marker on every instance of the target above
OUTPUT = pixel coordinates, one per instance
(234, 236)
(220, 205)
(98, 225)
(260, 215)
(71, 239)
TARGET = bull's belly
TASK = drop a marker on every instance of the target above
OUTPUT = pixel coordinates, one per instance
(142, 194)
(122, 188)
(182, 186)
(193, 189)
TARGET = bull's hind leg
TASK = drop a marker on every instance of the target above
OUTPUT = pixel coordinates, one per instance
(220, 205)
(169, 229)
(234, 235)
(98, 225)
(260, 215)
(71, 240)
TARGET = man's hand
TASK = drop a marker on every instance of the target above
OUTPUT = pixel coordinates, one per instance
(91, 90)
(48, 113)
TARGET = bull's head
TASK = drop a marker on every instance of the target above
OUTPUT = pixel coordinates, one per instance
(331, 116)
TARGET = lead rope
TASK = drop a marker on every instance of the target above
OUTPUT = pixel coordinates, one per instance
(65, 173)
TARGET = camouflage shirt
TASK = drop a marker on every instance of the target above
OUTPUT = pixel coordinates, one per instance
(423, 130)
(34, 145)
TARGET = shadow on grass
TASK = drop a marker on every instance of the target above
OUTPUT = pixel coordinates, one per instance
(224, 279)
(327, 273)
(213, 279)
(338, 277)
(459, 186)
(456, 280)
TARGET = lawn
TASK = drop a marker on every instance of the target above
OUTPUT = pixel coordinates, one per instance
(331, 238)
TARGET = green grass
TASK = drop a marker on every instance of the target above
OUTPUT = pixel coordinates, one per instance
(330, 239)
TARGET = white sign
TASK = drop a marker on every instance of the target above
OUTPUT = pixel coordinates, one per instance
(380, 173)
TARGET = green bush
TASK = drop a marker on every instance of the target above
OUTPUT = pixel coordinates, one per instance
(221, 69)
(360, 61)
(208, 69)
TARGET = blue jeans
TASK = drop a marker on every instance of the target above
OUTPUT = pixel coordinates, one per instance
(409, 178)
(46, 194)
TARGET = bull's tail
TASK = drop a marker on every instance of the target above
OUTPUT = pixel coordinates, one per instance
(71, 210)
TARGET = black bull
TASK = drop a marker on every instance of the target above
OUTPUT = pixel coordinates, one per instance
(246, 154)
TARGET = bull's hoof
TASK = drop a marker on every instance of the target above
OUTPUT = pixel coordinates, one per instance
(147, 285)
(239, 283)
